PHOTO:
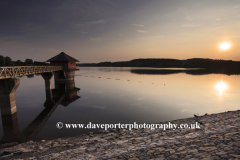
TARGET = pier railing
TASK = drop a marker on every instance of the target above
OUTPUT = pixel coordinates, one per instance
(18, 71)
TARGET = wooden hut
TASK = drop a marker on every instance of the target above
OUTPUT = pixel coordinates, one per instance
(62, 59)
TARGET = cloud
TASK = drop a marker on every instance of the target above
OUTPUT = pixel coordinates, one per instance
(189, 18)
(217, 19)
(121, 35)
(136, 104)
(97, 39)
(138, 25)
(89, 23)
(84, 32)
(95, 22)
(189, 25)
(141, 31)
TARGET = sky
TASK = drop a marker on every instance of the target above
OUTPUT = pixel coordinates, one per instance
(119, 30)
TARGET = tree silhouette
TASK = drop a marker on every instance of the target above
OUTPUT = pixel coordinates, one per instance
(8, 61)
(18, 63)
(2, 61)
(29, 62)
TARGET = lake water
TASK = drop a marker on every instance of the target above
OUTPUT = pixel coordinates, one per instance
(127, 95)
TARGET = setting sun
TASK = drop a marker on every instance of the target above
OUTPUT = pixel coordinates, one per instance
(225, 46)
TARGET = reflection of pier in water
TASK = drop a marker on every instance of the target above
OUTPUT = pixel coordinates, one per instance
(64, 93)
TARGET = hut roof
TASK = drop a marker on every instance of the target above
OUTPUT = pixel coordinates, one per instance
(62, 57)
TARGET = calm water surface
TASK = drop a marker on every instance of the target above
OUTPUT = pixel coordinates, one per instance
(125, 95)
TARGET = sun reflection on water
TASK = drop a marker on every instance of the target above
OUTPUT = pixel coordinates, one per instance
(221, 87)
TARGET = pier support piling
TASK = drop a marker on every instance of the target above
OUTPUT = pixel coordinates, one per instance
(8, 88)
(8, 107)
(48, 89)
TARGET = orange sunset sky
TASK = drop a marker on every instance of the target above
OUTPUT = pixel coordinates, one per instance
(120, 30)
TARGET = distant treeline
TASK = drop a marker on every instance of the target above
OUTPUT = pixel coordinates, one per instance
(7, 61)
(169, 63)
(227, 71)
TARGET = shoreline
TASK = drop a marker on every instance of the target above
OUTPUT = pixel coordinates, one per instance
(217, 138)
